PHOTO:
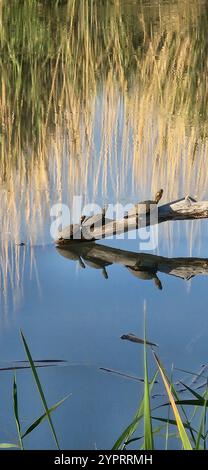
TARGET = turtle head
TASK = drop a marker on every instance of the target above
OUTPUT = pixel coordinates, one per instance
(158, 195)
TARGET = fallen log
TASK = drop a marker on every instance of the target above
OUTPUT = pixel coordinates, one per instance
(181, 209)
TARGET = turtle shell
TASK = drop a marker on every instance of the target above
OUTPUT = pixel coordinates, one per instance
(95, 219)
(145, 206)
(141, 208)
(91, 223)
(69, 232)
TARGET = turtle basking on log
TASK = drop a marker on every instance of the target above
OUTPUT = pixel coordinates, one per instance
(96, 219)
(139, 209)
(89, 223)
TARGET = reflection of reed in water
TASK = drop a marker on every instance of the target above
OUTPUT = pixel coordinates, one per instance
(98, 99)
(13, 262)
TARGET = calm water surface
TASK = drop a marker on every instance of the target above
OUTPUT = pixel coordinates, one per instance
(108, 102)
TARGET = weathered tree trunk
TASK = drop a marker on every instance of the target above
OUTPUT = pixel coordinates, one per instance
(182, 209)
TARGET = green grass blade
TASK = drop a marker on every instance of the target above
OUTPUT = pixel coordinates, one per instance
(193, 392)
(156, 431)
(148, 435)
(192, 402)
(132, 427)
(16, 412)
(173, 422)
(202, 423)
(40, 390)
(44, 416)
(184, 402)
(167, 434)
(182, 432)
(177, 401)
(205, 419)
(8, 445)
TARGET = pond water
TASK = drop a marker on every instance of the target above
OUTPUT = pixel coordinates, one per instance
(107, 101)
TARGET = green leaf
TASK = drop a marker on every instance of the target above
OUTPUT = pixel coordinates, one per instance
(182, 432)
(155, 431)
(40, 390)
(202, 423)
(43, 417)
(16, 412)
(132, 427)
(173, 422)
(8, 445)
(167, 434)
(148, 435)
(193, 392)
(192, 402)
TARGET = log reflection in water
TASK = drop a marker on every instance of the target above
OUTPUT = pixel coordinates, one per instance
(142, 265)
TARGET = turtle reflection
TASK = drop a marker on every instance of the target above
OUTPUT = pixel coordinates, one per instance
(144, 266)
(97, 257)
(146, 275)
(97, 264)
